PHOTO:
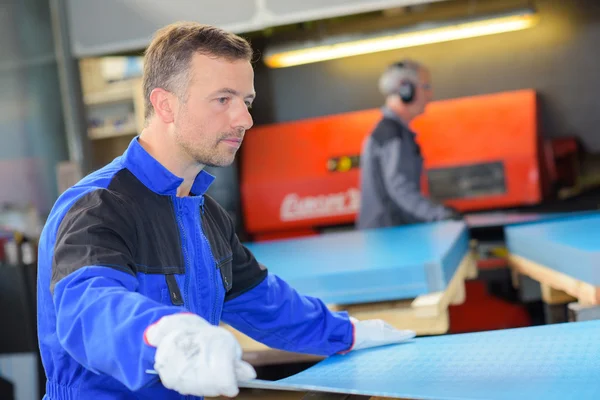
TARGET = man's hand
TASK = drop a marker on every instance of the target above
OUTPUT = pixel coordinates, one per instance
(376, 332)
(196, 358)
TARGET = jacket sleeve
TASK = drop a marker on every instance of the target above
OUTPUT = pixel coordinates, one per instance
(267, 309)
(405, 193)
(100, 318)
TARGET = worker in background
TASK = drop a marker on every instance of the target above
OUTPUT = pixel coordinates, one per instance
(391, 161)
(137, 266)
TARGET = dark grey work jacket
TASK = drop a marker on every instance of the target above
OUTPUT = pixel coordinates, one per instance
(391, 166)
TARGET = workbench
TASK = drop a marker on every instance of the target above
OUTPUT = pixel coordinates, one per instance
(563, 255)
(407, 276)
(557, 361)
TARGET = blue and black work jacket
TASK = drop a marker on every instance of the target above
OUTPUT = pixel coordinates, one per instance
(120, 250)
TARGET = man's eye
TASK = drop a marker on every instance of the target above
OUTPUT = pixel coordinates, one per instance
(223, 100)
(249, 105)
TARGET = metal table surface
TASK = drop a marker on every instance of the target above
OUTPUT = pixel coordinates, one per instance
(559, 361)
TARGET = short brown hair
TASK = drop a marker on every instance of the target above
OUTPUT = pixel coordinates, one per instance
(167, 58)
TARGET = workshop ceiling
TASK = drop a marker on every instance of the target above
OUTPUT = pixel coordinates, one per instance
(118, 26)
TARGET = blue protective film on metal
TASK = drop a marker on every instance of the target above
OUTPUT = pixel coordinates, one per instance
(569, 245)
(368, 265)
(560, 361)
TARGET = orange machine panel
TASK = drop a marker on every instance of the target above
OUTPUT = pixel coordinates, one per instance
(300, 175)
(285, 180)
(496, 136)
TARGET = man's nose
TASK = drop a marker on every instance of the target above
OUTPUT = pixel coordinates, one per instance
(244, 118)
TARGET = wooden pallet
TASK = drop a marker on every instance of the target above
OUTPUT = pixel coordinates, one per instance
(557, 288)
(426, 315)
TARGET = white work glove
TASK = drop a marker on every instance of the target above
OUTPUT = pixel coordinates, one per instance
(196, 358)
(376, 332)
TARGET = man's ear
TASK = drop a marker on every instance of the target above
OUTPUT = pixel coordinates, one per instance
(164, 105)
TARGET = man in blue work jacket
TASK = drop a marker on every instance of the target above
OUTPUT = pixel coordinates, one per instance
(391, 162)
(137, 266)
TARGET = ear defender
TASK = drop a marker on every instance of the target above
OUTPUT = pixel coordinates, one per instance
(406, 91)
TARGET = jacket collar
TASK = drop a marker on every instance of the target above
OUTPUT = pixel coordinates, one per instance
(389, 114)
(155, 176)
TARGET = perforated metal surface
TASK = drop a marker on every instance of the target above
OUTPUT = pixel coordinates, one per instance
(560, 361)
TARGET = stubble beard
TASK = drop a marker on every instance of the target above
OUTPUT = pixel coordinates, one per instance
(210, 157)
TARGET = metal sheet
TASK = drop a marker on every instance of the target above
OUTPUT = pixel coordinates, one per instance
(369, 265)
(500, 219)
(557, 361)
(567, 245)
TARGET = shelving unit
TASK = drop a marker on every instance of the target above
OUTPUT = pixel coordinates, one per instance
(115, 110)
(109, 132)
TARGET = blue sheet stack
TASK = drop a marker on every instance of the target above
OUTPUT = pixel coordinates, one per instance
(369, 265)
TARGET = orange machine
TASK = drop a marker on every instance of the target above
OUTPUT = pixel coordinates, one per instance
(481, 152)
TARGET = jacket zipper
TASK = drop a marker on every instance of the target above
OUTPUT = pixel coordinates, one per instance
(186, 304)
(212, 271)
(187, 271)
(174, 291)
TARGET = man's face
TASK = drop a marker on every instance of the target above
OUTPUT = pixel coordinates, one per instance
(424, 93)
(213, 117)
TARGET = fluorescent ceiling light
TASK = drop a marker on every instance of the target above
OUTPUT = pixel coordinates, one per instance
(425, 34)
